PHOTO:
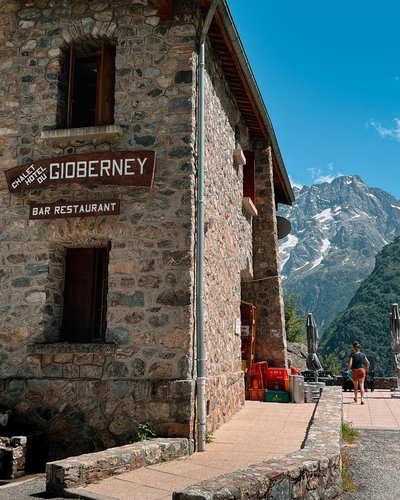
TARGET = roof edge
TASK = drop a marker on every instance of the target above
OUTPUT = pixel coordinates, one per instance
(237, 46)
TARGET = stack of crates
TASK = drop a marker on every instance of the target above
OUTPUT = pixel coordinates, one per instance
(277, 385)
(258, 381)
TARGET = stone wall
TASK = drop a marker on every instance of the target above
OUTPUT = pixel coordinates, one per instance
(12, 457)
(314, 471)
(265, 290)
(88, 396)
(228, 248)
(311, 472)
(68, 474)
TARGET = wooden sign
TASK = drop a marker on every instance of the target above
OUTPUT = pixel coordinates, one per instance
(125, 168)
(65, 209)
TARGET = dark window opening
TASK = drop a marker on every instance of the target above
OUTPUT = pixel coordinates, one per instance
(85, 295)
(89, 75)
(249, 176)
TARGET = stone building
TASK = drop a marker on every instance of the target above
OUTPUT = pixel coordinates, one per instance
(106, 270)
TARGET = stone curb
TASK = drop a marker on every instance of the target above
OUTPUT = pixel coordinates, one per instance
(314, 471)
(63, 476)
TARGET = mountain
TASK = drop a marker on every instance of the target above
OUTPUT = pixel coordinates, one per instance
(337, 230)
(367, 316)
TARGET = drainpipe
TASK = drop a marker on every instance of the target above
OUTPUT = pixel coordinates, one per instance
(201, 379)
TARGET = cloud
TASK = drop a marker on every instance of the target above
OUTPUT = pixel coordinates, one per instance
(294, 183)
(319, 176)
(387, 133)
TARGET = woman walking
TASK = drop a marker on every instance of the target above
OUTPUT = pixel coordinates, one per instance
(359, 366)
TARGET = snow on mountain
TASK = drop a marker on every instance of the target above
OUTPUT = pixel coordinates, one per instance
(337, 229)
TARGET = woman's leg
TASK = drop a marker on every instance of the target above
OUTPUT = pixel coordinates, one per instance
(355, 384)
(361, 382)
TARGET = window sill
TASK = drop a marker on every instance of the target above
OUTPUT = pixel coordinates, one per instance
(249, 206)
(66, 347)
(97, 134)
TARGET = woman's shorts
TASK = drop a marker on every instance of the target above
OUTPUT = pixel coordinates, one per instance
(358, 374)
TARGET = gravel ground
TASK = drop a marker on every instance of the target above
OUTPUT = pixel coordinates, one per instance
(26, 489)
(375, 465)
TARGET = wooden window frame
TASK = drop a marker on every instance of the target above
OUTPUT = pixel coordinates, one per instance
(104, 59)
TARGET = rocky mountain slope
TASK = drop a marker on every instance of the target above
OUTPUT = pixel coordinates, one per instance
(367, 316)
(337, 230)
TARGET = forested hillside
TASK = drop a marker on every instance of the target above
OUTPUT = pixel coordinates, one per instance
(337, 230)
(366, 318)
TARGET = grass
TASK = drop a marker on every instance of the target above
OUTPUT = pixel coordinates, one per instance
(349, 436)
(209, 437)
(348, 483)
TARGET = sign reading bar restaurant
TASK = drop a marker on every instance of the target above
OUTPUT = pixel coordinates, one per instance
(63, 209)
(125, 168)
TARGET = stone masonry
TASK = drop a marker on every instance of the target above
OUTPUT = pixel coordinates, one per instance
(89, 397)
(314, 471)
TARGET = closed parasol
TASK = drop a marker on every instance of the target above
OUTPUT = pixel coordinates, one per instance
(313, 363)
(395, 342)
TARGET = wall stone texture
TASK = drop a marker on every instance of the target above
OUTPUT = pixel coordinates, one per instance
(312, 472)
(92, 396)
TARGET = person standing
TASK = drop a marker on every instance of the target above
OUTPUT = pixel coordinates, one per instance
(359, 366)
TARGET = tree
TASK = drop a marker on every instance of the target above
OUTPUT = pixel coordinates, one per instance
(332, 363)
(294, 321)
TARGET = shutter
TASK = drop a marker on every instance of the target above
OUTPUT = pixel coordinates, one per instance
(165, 9)
(71, 77)
(249, 176)
(105, 86)
(84, 295)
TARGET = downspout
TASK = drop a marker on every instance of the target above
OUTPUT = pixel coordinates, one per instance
(201, 379)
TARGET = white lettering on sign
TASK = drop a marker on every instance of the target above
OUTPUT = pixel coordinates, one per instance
(40, 211)
(30, 174)
(95, 168)
(74, 209)
(124, 168)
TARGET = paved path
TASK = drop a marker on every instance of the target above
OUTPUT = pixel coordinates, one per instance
(375, 459)
(380, 410)
(257, 432)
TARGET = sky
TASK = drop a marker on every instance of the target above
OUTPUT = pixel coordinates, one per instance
(329, 74)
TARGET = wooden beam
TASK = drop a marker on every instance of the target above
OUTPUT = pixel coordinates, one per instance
(165, 9)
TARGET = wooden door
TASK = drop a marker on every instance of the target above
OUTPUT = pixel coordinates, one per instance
(248, 318)
(85, 295)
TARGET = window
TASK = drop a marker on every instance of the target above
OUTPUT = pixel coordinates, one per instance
(89, 86)
(249, 183)
(249, 177)
(85, 295)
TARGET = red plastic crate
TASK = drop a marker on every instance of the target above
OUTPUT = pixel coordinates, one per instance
(257, 382)
(259, 374)
(277, 373)
(278, 385)
(278, 379)
(257, 394)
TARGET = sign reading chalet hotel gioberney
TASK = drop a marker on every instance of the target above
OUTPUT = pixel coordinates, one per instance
(125, 168)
